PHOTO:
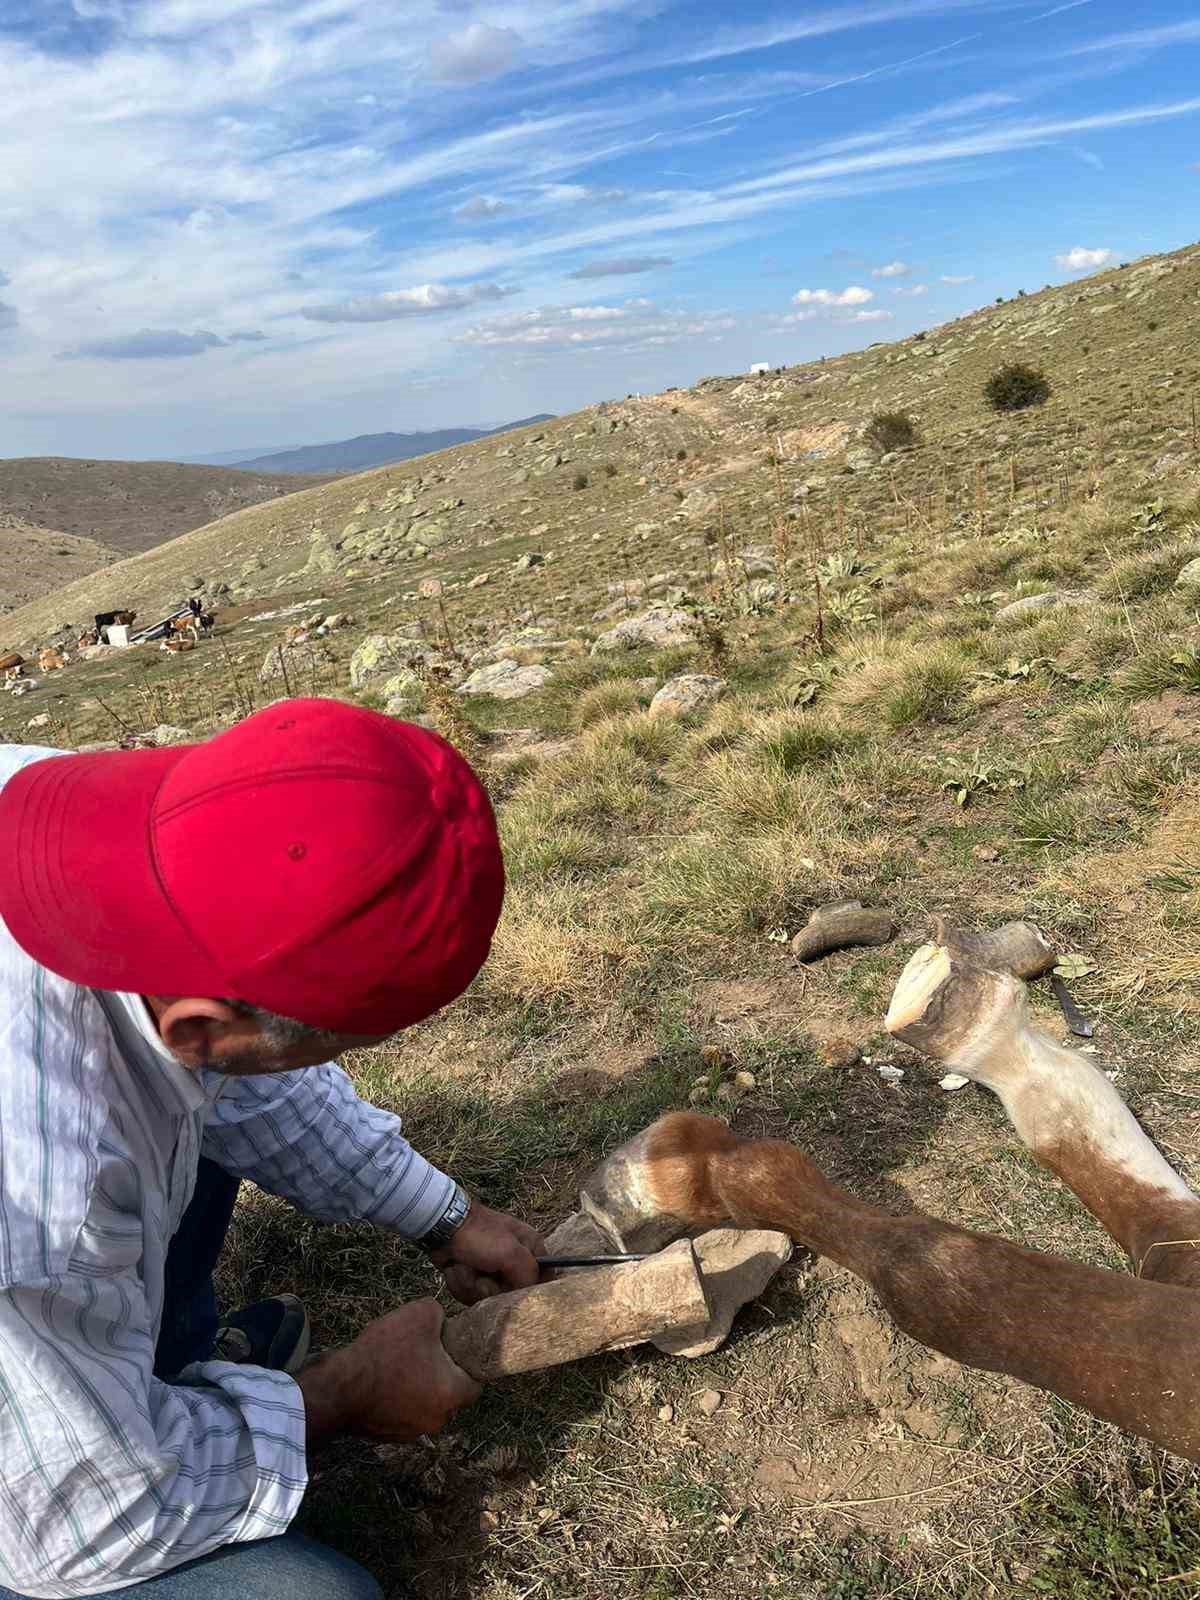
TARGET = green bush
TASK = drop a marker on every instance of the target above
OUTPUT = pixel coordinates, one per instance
(1016, 386)
(890, 430)
(581, 480)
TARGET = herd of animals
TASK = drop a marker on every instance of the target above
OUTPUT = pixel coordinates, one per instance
(181, 631)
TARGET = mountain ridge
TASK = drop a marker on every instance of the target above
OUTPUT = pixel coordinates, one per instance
(367, 450)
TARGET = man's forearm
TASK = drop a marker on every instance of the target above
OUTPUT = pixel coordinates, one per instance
(329, 1388)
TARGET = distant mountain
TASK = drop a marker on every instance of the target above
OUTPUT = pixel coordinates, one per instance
(376, 449)
(227, 458)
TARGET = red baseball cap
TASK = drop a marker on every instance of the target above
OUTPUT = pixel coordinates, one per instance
(321, 861)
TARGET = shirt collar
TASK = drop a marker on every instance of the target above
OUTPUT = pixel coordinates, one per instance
(139, 1027)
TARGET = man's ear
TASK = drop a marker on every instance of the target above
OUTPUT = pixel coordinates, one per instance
(189, 1026)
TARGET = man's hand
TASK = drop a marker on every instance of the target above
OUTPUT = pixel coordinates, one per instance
(490, 1253)
(395, 1381)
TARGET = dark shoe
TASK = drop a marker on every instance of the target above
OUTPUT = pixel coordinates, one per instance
(271, 1333)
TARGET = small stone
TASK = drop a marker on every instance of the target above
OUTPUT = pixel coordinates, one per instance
(984, 852)
(42, 720)
(1030, 603)
(478, 581)
(488, 1522)
(166, 734)
(531, 558)
(889, 1073)
(952, 1081)
(1189, 577)
(708, 1401)
(745, 1080)
(666, 1413)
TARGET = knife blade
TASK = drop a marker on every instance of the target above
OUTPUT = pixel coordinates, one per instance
(554, 1263)
(1076, 1020)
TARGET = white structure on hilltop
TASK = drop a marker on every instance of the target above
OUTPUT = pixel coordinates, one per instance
(759, 368)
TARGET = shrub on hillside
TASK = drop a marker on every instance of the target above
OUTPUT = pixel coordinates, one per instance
(890, 430)
(581, 480)
(1015, 387)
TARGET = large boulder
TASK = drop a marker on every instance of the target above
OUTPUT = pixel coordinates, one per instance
(505, 680)
(382, 655)
(322, 553)
(659, 629)
(688, 692)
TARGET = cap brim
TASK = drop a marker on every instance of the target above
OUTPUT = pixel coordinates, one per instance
(79, 891)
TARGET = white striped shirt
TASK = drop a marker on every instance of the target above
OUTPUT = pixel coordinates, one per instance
(107, 1475)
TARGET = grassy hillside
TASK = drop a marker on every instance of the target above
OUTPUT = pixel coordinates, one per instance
(885, 734)
(130, 505)
(40, 561)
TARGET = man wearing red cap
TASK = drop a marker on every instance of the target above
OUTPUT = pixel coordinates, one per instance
(187, 936)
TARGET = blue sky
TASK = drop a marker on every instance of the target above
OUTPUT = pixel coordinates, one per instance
(258, 223)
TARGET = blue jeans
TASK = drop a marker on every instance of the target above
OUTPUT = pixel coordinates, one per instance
(290, 1567)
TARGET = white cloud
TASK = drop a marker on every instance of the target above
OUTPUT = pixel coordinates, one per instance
(812, 313)
(913, 290)
(481, 206)
(894, 269)
(621, 266)
(595, 313)
(1081, 259)
(853, 296)
(476, 52)
(958, 279)
(427, 299)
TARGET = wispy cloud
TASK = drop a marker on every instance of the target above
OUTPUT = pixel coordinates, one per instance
(913, 290)
(427, 299)
(8, 316)
(1081, 259)
(958, 279)
(1071, 5)
(734, 41)
(1161, 38)
(638, 325)
(894, 269)
(621, 266)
